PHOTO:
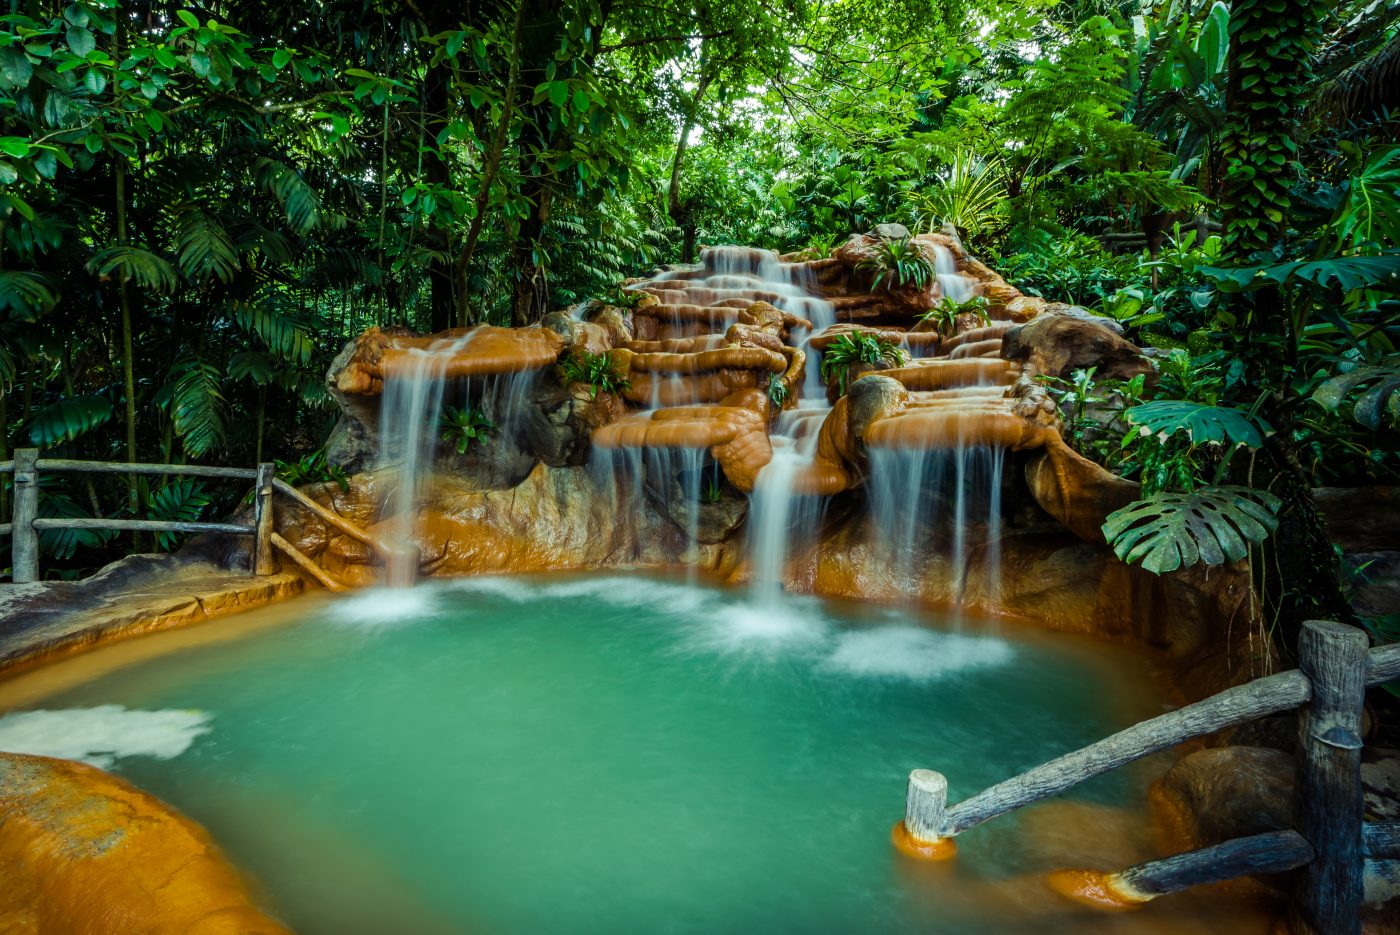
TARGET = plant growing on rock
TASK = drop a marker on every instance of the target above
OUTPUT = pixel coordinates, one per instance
(465, 426)
(312, 469)
(777, 390)
(858, 347)
(898, 264)
(597, 370)
(944, 315)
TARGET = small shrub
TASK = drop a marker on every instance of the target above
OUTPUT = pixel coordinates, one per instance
(899, 263)
(596, 370)
(858, 347)
(461, 427)
(944, 315)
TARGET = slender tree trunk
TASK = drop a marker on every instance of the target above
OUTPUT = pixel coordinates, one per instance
(133, 496)
(680, 209)
(491, 167)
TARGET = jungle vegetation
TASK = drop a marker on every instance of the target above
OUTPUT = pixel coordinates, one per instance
(200, 202)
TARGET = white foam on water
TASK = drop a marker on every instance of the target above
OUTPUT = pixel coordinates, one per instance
(102, 735)
(768, 630)
(502, 586)
(913, 654)
(375, 607)
(664, 596)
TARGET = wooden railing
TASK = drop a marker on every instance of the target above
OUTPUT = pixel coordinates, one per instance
(1331, 840)
(25, 523)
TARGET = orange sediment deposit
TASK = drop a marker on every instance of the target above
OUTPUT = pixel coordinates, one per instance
(910, 846)
(712, 361)
(85, 853)
(484, 351)
(1094, 888)
(950, 423)
(990, 347)
(942, 374)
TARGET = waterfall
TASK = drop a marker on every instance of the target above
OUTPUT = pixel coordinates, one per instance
(954, 284)
(931, 502)
(409, 411)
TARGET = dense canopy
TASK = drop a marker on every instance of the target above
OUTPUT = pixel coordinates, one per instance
(199, 203)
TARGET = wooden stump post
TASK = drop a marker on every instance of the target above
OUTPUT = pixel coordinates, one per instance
(1327, 900)
(920, 834)
(24, 539)
(263, 562)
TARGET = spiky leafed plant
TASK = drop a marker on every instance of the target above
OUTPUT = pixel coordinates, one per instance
(898, 264)
(969, 194)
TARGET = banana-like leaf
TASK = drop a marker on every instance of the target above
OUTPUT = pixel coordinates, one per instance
(1201, 423)
(25, 294)
(1384, 393)
(204, 247)
(1213, 525)
(197, 406)
(298, 199)
(143, 267)
(62, 544)
(66, 419)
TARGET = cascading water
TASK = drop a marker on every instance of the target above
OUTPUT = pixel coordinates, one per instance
(931, 502)
(410, 409)
(782, 518)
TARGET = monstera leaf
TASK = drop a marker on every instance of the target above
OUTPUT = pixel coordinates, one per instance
(1213, 525)
(1383, 394)
(1201, 423)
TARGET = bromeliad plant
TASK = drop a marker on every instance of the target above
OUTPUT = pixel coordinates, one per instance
(944, 315)
(897, 264)
(597, 370)
(858, 347)
(465, 426)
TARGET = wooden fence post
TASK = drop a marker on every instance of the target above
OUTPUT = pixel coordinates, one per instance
(262, 559)
(1327, 900)
(24, 540)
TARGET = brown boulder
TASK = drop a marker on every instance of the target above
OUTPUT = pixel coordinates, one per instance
(1056, 344)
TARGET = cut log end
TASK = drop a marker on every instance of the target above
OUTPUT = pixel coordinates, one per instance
(1095, 888)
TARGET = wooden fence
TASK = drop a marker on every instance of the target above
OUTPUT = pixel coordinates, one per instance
(25, 523)
(1331, 840)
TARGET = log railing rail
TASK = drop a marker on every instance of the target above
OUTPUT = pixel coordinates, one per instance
(25, 523)
(1331, 840)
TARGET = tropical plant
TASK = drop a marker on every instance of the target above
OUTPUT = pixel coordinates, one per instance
(182, 500)
(463, 426)
(898, 264)
(1212, 525)
(858, 347)
(777, 391)
(967, 194)
(312, 468)
(944, 315)
(597, 370)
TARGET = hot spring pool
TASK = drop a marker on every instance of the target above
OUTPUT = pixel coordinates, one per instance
(611, 754)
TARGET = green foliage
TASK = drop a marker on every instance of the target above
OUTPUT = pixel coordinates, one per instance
(312, 468)
(597, 370)
(858, 347)
(968, 194)
(183, 500)
(898, 264)
(777, 391)
(1200, 423)
(1372, 393)
(944, 315)
(463, 426)
(68, 418)
(1212, 525)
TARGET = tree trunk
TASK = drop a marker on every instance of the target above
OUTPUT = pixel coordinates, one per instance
(681, 210)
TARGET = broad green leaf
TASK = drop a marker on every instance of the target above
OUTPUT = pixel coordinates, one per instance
(1200, 422)
(66, 419)
(80, 41)
(1213, 525)
(1383, 395)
